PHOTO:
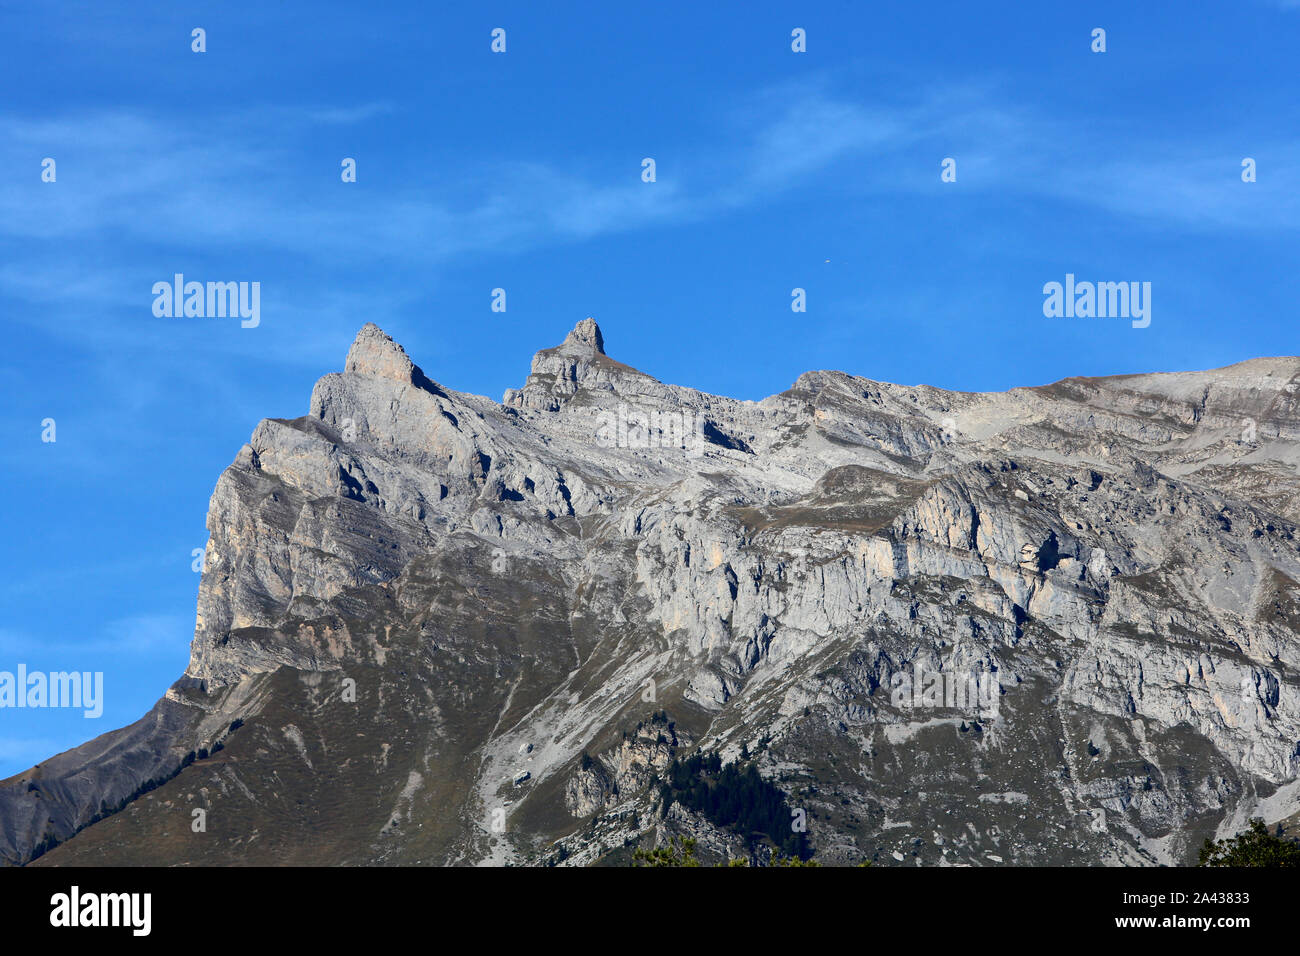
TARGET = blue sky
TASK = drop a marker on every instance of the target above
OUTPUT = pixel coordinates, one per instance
(522, 171)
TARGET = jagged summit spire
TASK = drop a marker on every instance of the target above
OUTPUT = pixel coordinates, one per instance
(374, 352)
(586, 333)
(578, 362)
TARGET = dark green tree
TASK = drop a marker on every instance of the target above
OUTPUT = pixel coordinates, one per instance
(674, 854)
(1253, 847)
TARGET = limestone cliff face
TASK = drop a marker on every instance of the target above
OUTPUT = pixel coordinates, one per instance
(420, 608)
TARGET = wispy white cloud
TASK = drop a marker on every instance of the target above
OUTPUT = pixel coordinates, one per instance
(147, 194)
(153, 181)
(18, 753)
(140, 634)
(346, 115)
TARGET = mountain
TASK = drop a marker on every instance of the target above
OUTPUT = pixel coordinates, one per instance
(1055, 625)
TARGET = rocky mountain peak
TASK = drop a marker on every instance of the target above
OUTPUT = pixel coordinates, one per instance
(586, 334)
(374, 352)
(579, 362)
(1071, 610)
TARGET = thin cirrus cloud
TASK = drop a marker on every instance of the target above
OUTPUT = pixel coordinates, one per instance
(1007, 148)
(1198, 192)
(24, 751)
(141, 634)
(153, 185)
(149, 180)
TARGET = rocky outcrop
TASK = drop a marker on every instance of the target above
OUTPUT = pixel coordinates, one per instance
(447, 602)
(626, 770)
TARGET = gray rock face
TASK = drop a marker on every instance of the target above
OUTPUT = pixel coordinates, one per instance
(375, 354)
(1052, 625)
(626, 769)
